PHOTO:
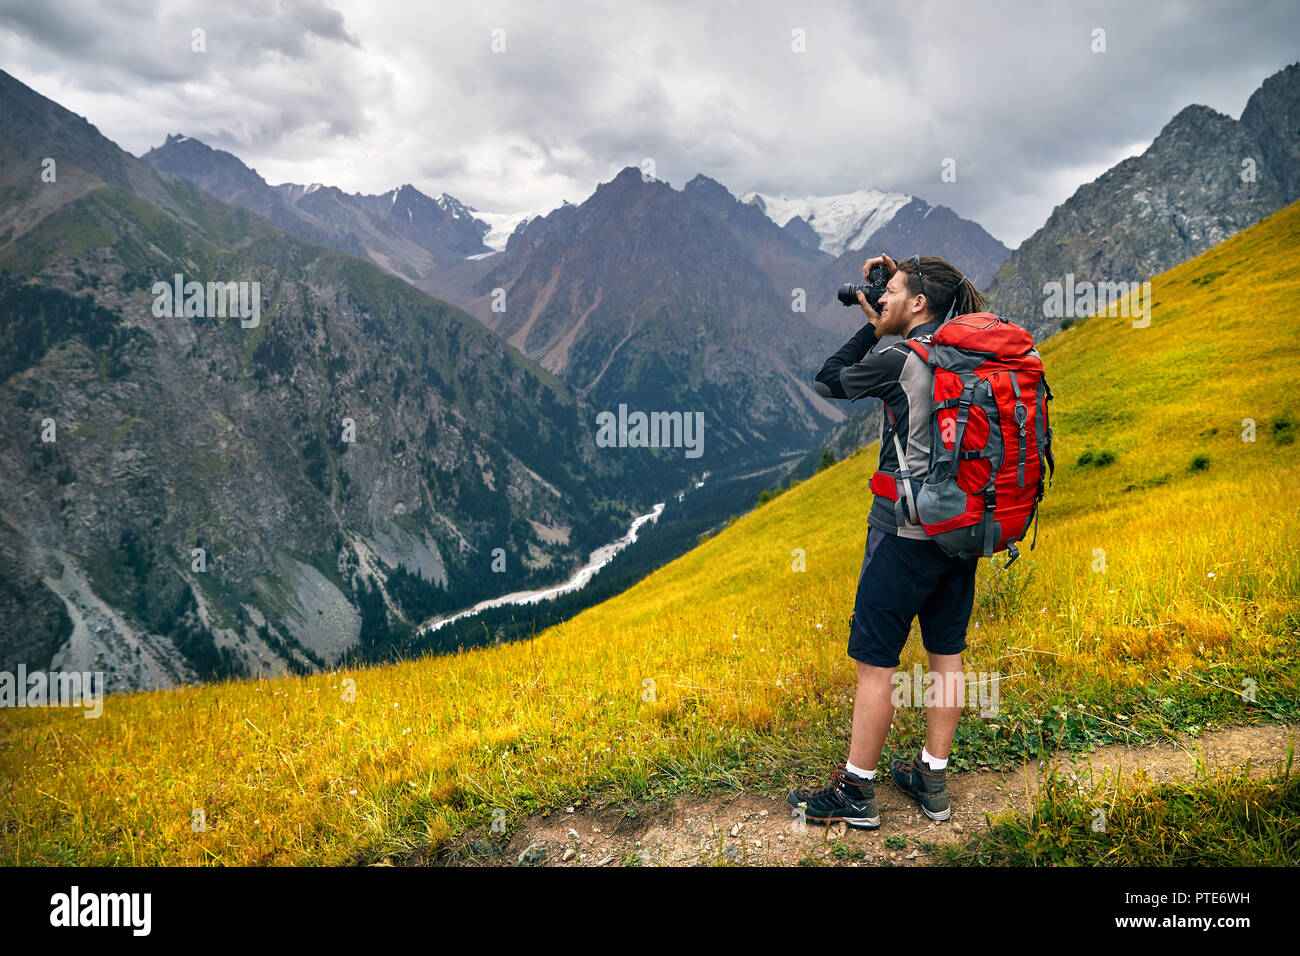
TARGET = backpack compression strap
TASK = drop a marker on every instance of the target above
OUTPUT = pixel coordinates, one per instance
(905, 476)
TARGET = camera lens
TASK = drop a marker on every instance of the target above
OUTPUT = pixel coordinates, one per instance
(848, 294)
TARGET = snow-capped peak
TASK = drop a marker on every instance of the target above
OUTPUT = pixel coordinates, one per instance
(311, 189)
(453, 205)
(845, 221)
(502, 224)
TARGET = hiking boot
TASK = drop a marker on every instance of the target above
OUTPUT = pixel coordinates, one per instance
(849, 798)
(922, 784)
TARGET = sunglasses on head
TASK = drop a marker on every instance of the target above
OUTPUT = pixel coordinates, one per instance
(918, 273)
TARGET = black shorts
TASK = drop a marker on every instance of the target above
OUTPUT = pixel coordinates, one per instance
(902, 579)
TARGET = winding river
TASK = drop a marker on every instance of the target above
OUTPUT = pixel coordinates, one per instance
(598, 559)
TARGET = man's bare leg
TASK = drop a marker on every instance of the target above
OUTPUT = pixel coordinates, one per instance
(941, 721)
(873, 712)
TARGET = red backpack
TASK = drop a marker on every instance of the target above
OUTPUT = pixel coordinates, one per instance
(989, 438)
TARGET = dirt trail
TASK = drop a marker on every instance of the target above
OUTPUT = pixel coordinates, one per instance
(748, 829)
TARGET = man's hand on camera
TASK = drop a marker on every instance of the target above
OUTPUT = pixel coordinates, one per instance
(881, 259)
(872, 315)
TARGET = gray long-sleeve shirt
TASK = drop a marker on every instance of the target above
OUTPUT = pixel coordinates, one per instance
(900, 378)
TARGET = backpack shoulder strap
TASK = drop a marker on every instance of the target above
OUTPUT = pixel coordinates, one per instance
(920, 345)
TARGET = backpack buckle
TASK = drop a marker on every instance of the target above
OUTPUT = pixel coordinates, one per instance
(886, 486)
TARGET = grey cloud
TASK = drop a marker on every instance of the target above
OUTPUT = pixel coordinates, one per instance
(368, 95)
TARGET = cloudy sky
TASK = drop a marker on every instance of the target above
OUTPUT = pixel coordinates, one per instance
(787, 98)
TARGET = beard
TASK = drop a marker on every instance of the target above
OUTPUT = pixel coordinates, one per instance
(891, 325)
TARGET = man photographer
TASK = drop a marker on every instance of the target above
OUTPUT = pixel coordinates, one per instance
(904, 574)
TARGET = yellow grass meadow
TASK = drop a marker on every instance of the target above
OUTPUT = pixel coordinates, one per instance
(1164, 582)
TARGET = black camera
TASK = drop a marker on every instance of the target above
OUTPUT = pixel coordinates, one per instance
(873, 288)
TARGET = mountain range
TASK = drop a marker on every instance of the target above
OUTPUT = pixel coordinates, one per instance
(404, 230)
(1204, 178)
(670, 301)
(188, 494)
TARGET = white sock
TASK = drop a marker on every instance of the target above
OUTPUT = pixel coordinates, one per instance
(934, 763)
(869, 774)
